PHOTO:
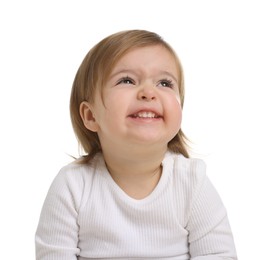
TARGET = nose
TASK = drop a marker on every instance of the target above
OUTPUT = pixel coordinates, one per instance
(147, 93)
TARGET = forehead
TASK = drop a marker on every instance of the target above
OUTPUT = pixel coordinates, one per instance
(148, 58)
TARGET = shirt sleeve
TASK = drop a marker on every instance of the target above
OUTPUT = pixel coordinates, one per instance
(57, 233)
(210, 236)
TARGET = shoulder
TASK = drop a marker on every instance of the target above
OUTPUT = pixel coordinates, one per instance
(190, 170)
(187, 175)
(73, 179)
(76, 171)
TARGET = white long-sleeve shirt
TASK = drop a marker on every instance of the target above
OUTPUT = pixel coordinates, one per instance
(86, 215)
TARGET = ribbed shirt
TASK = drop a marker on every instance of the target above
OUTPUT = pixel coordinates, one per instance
(86, 215)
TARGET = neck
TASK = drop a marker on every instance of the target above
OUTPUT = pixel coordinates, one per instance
(137, 172)
(133, 160)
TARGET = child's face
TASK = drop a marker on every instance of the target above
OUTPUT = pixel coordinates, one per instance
(141, 103)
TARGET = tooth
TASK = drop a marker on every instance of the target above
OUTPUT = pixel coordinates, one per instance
(146, 115)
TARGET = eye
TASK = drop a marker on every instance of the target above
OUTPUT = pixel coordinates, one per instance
(166, 83)
(125, 80)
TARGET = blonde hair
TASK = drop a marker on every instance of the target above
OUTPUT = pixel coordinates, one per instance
(95, 70)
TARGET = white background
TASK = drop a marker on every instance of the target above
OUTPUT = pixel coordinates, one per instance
(226, 49)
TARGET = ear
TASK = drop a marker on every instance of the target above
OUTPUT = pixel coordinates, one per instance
(88, 117)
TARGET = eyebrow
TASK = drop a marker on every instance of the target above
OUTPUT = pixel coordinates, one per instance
(169, 74)
(122, 71)
(161, 72)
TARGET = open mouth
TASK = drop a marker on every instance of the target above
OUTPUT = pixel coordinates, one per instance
(145, 114)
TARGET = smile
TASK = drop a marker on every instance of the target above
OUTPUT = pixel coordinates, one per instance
(145, 114)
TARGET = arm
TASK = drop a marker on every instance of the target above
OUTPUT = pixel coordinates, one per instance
(57, 233)
(210, 236)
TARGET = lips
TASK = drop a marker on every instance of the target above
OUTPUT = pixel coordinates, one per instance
(145, 114)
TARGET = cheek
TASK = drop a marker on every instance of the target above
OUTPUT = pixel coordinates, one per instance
(179, 116)
(115, 111)
(118, 101)
(176, 112)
